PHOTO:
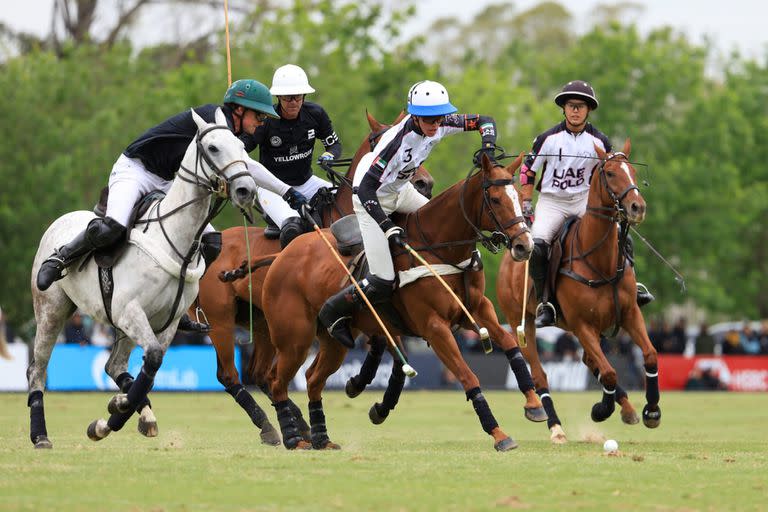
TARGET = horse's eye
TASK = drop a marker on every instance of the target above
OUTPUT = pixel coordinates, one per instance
(610, 174)
(213, 149)
(495, 200)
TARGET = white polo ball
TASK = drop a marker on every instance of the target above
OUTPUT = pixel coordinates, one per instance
(610, 446)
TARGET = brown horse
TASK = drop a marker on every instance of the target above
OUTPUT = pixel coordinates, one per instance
(593, 291)
(446, 231)
(225, 304)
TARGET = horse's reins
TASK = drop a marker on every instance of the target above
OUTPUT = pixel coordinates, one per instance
(218, 184)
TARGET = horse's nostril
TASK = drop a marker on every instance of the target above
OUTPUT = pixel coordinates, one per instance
(242, 193)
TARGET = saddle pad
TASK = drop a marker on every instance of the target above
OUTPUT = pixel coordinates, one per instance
(153, 249)
(415, 273)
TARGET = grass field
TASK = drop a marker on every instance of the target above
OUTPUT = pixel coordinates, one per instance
(710, 453)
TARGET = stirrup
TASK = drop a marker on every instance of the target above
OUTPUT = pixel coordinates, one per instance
(545, 315)
(45, 278)
(644, 296)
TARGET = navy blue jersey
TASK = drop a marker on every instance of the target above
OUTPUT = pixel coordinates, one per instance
(162, 147)
(286, 145)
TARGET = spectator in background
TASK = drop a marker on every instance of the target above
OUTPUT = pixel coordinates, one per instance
(566, 347)
(750, 341)
(102, 335)
(678, 337)
(703, 380)
(705, 342)
(468, 340)
(75, 330)
(763, 337)
(732, 343)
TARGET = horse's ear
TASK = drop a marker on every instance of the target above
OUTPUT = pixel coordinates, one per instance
(515, 165)
(221, 120)
(198, 120)
(600, 152)
(372, 122)
(627, 147)
(400, 117)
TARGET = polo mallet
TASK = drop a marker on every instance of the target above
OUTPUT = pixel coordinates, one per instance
(407, 368)
(521, 328)
(484, 337)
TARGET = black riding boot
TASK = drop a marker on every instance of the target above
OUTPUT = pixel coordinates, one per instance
(336, 313)
(644, 296)
(100, 233)
(210, 248)
(189, 325)
(292, 228)
(545, 312)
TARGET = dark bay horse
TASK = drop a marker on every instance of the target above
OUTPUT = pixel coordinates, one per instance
(225, 303)
(593, 291)
(445, 231)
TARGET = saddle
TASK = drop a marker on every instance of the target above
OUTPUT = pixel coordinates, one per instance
(108, 257)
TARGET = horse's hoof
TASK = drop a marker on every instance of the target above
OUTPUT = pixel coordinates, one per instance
(297, 443)
(147, 428)
(351, 389)
(651, 416)
(378, 414)
(118, 404)
(557, 435)
(330, 445)
(600, 412)
(306, 434)
(505, 445)
(98, 430)
(630, 417)
(269, 435)
(43, 443)
(536, 414)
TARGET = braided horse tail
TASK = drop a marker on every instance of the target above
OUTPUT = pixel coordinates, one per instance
(227, 276)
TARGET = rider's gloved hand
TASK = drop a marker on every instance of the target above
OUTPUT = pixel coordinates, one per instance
(394, 233)
(489, 150)
(295, 199)
(528, 211)
(325, 157)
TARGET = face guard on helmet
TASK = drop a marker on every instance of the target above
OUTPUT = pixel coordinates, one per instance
(429, 99)
(289, 80)
(577, 90)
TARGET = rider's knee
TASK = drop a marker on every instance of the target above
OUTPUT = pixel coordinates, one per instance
(291, 228)
(104, 231)
(378, 290)
(210, 246)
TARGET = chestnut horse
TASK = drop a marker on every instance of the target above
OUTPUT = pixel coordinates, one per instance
(446, 231)
(226, 303)
(593, 291)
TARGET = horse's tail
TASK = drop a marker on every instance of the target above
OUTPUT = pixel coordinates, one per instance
(227, 276)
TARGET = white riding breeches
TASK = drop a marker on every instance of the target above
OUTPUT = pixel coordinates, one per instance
(277, 208)
(129, 181)
(552, 210)
(376, 244)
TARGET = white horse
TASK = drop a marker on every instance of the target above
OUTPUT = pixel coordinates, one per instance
(147, 276)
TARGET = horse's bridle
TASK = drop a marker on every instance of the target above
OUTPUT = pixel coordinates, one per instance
(499, 237)
(217, 183)
(617, 211)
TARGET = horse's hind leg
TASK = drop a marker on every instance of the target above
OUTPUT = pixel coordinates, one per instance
(117, 368)
(380, 410)
(328, 360)
(635, 326)
(357, 383)
(52, 309)
(628, 412)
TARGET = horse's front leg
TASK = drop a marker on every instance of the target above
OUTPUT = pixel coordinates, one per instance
(380, 410)
(134, 323)
(439, 336)
(486, 317)
(357, 383)
(596, 360)
(628, 412)
(117, 368)
(634, 324)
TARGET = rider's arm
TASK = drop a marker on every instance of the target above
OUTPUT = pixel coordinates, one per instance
(264, 178)
(328, 136)
(531, 165)
(387, 161)
(472, 122)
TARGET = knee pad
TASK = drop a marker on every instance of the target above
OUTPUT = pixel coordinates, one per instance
(378, 290)
(104, 231)
(292, 228)
(210, 247)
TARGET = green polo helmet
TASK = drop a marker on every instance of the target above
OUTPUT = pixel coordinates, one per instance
(251, 94)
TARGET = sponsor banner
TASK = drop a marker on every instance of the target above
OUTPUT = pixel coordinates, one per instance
(184, 368)
(561, 376)
(738, 373)
(13, 371)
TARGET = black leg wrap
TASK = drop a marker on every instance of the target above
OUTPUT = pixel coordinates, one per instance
(394, 387)
(620, 393)
(319, 431)
(652, 385)
(370, 365)
(602, 410)
(482, 409)
(291, 436)
(249, 405)
(153, 358)
(549, 407)
(137, 394)
(36, 416)
(301, 423)
(124, 381)
(519, 368)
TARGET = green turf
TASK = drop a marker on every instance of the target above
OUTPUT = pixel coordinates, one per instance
(710, 453)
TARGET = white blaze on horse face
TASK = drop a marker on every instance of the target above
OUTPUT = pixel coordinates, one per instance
(512, 193)
(625, 168)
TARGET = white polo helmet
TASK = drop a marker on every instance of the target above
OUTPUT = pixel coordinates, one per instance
(290, 79)
(429, 98)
